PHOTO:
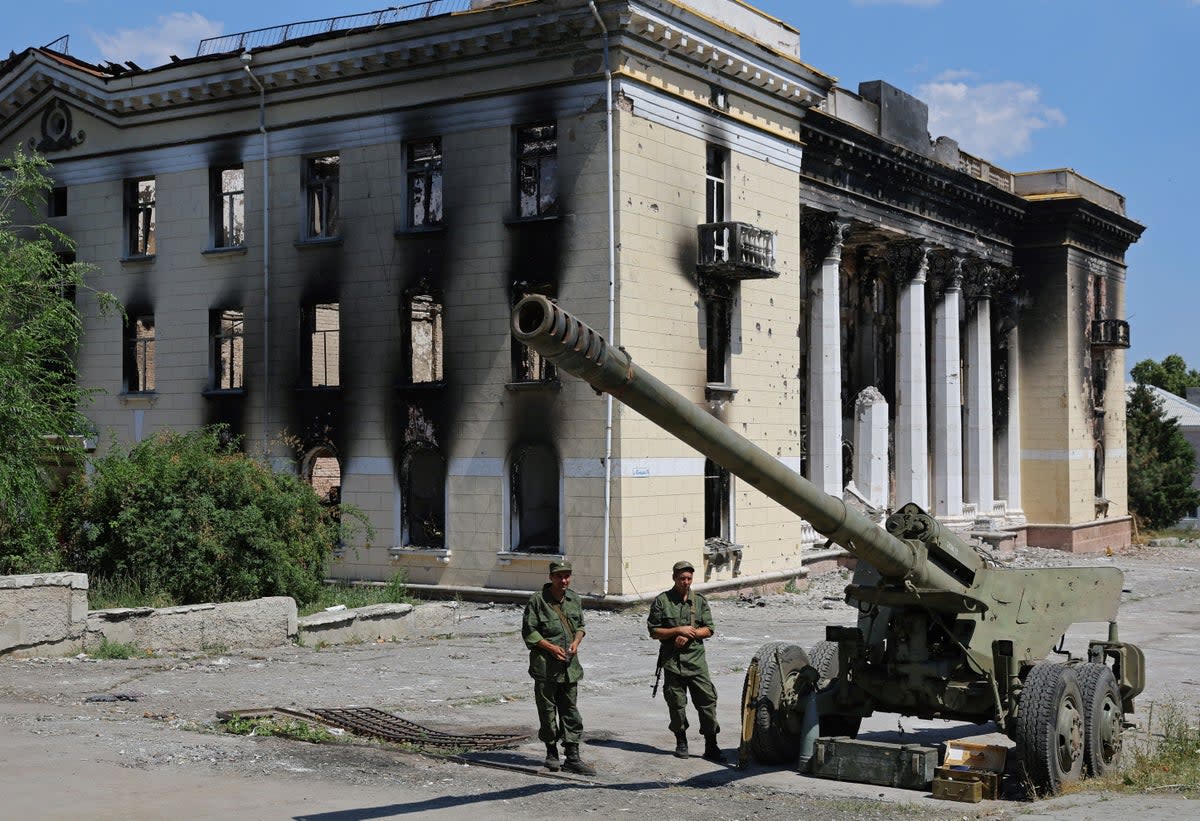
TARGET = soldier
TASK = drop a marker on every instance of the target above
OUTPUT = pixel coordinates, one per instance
(552, 629)
(681, 621)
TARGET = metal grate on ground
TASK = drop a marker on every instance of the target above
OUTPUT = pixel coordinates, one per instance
(369, 721)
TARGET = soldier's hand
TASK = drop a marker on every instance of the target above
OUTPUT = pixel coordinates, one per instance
(559, 653)
(682, 641)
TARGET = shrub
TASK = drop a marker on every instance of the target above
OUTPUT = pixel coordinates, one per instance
(190, 516)
(1161, 463)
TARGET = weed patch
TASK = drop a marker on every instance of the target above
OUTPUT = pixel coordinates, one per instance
(293, 728)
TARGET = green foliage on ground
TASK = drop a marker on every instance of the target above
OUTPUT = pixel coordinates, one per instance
(41, 426)
(277, 726)
(189, 516)
(361, 595)
(1161, 463)
(1163, 756)
(1172, 374)
(108, 592)
(116, 650)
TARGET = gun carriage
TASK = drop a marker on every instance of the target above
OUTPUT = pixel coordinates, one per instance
(942, 632)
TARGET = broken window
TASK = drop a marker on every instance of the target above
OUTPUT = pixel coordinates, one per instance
(228, 349)
(228, 187)
(537, 171)
(139, 354)
(321, 196)
(323, 472)
(139, 217)
(534, 495)
(425, 183)
(718, 509)
(423, 354)
(423, 486)
(718, 329)
(1098, 470)
(56, 202)
(322, 328)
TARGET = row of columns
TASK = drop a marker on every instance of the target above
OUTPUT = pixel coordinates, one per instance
(963, 467)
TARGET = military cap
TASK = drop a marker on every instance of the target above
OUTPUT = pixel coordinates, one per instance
(559, 566)
(679, 567)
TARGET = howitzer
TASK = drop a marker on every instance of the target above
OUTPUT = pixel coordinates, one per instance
(943, 631)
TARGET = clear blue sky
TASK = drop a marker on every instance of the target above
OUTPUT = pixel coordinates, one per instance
(1107, 87)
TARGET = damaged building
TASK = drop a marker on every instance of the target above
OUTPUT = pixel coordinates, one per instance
(319, 230)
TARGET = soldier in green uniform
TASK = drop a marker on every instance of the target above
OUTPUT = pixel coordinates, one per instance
(681, 621)
(552, 629)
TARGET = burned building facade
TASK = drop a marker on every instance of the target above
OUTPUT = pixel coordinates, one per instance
(318, 233)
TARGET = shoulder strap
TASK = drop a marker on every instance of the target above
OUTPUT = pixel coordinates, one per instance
(566, 623)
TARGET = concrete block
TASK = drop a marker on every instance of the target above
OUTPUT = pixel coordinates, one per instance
(266, 622)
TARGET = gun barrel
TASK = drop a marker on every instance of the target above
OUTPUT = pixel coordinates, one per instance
(579, 350)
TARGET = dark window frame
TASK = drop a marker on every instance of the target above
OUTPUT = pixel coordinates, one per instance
(322, 195)
(536, 169)
(227, 335)
(141, 217)
(139, 344)
(225, 206)
(424, 184)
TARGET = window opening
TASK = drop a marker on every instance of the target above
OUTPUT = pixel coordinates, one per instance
(717, 507)
(537, 170)
(140, 217)
(56, 202)
(323, 332)
(718, 330)
(321, 176)
(228, 350)
(424, 354)
(139, 355)
(424, 498)
(534, 492)
(229, 207)
(425, 183)
(324, 474)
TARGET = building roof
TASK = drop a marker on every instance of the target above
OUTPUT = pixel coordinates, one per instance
(1178, 408)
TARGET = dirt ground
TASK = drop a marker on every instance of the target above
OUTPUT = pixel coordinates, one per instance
(162, 755)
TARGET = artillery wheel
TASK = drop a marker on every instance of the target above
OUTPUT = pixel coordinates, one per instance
(824, 657)
(777, 714)
(1102, 719)
(1050, 727)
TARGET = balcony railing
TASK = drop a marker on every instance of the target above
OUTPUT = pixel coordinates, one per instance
(736, 250)
(1110, 333)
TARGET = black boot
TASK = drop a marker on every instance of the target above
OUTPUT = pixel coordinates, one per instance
(552, 757)
(711, 751)
(681, 750)
(575, 764)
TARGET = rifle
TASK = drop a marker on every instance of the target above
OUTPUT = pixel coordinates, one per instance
(665, 648)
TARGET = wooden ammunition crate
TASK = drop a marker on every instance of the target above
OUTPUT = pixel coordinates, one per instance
(989, 781)
(872, 762)
(969, 791)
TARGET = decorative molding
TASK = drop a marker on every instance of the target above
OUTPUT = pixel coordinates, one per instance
(821, 236)
(907, 260)
(56, 129)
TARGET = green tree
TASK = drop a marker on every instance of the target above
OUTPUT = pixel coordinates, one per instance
(189, 515)
(1161, 462)
(1172, 374)
(40, 418)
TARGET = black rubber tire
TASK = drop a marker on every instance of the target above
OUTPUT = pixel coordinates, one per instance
(772, 741)
(1102, 719)
(1050, 728)
(824, 657)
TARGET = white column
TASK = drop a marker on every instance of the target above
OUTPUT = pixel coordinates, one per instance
(980, 464)
(912, 396)
(825, 372)
(947, 403)
(871, 447)
(1009, 456)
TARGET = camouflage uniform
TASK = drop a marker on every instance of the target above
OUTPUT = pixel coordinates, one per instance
(685, 669)
(554, 683)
